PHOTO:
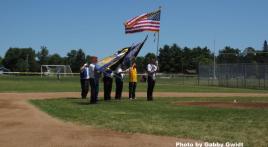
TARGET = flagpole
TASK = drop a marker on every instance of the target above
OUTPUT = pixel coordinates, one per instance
(157, 46)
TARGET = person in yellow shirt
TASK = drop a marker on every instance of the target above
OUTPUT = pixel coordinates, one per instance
(132, 80)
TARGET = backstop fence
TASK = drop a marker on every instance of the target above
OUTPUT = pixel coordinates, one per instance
(234, 75)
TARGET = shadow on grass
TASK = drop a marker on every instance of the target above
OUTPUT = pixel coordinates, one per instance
(70, 98)
(81, 103)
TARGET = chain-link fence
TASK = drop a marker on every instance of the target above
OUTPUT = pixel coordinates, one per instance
(225, 75)
(234, 75)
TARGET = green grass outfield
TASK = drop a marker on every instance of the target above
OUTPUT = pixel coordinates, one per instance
(163, 117)
(72, 84)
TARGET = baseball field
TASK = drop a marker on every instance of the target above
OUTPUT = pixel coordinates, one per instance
(49, 112)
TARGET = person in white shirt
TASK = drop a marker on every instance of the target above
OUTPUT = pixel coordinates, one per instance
(84, 80)
(151, 77)
(93, 94)
(119, 75)
(97, 75)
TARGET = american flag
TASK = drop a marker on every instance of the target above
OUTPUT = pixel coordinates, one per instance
(144, 22)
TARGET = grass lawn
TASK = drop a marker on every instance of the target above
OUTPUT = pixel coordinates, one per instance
(163, 117)
(72, 84)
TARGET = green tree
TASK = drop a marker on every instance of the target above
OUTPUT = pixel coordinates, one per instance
(22, 65)
(76, 58)
(55, 59)
(1, 59)
(88, 58)
(170, 59)
(147, 58)
(20, 59)
(140, 64)
(11, 58)
(43, 55)
(263, 57)
(229, 55)
(249, 55)
(174, 59)
(187, 60)
(265, 46)
(200, 56)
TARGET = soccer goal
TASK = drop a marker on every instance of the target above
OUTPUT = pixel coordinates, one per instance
(56, 70)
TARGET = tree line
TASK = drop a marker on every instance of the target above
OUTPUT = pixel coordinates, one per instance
(172, 58)
(27, 60)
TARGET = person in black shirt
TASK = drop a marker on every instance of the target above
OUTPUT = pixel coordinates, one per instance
(107, 84)
(118, 82)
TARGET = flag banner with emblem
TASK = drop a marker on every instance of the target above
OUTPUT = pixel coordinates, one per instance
(110, 61)
(145, 22)
(122, 56)
(133, 53)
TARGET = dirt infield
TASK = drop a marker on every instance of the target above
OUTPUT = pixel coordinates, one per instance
(22, 124)
(235, 105)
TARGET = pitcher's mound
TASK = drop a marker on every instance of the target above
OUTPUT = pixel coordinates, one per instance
(224, 104)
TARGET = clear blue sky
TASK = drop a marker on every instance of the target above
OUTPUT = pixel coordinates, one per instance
(96, 26)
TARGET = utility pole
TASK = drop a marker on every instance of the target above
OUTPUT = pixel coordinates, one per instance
(214, 62)
(27, 62)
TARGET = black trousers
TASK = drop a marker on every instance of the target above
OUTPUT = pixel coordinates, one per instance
(84, 87)
(93, 95)
(97, 89)
(107, 84)
(150, 88)
(118, 88)
(132, 90)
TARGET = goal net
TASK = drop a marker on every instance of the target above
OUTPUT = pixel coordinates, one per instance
(55, 70)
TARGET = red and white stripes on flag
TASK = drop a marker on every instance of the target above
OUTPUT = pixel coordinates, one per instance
(145, 22)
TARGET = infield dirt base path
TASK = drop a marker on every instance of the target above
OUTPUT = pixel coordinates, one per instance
(23, 125)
